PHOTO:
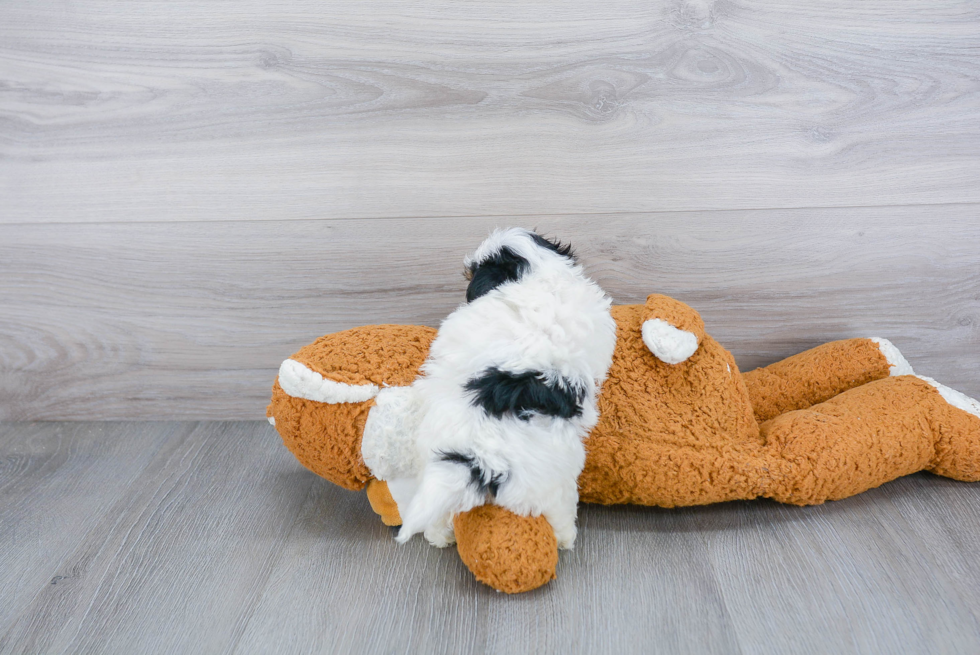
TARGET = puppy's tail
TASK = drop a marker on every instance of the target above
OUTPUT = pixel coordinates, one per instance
(444, 492)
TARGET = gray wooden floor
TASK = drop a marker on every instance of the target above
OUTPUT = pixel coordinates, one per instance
(210, 538)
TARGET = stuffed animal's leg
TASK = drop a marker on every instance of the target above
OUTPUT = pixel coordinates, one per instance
(383, 503)
(821, 373)
(870, 435)
(510, 553)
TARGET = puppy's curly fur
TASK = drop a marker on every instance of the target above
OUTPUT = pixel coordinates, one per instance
(508, 392)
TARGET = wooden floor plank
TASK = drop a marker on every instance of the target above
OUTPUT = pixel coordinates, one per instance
(847, 576)
(191, 320)
(147, 111)
(174, 565)
(58, 482)
(942, 515)
(348, 588)
(212, 538)
(662, 586)
(618, 590)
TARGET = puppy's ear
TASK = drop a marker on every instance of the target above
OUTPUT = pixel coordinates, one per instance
(555, 246)
(523, 394)
(485, 276)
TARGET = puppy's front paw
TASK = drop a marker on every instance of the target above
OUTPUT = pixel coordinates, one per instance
(566, 538)
(440, 537)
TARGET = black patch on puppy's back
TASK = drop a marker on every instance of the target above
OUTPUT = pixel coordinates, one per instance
(524, 394)
(487, 275)
(484, 481)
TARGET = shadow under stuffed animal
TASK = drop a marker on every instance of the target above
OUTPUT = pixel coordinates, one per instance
(679, 425)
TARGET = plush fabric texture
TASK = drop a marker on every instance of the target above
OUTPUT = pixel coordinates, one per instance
(822, 425)
(508, 552)
(670, 434)
(382, 503)
(873, 433)
(825, 371)
(326, 437)
(672, 311)
(384, 355)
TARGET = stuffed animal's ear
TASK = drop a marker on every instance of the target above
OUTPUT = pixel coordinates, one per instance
(671, 330)
(670, 345)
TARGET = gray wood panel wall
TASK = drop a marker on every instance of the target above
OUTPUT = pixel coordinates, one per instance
(191, 191)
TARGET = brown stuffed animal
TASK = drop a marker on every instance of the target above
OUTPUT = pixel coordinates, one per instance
(822, 425)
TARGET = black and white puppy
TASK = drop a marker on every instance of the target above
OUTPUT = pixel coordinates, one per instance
(509, 390)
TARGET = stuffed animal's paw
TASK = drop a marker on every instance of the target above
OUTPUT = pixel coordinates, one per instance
(510, 553)
(382, 502)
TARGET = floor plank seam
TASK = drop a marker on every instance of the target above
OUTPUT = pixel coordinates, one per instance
(513, 216)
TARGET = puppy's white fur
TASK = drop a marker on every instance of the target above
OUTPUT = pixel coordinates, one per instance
(553, 320)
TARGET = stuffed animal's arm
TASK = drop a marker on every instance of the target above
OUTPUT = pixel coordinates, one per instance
(510, 553)
(671, 330)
